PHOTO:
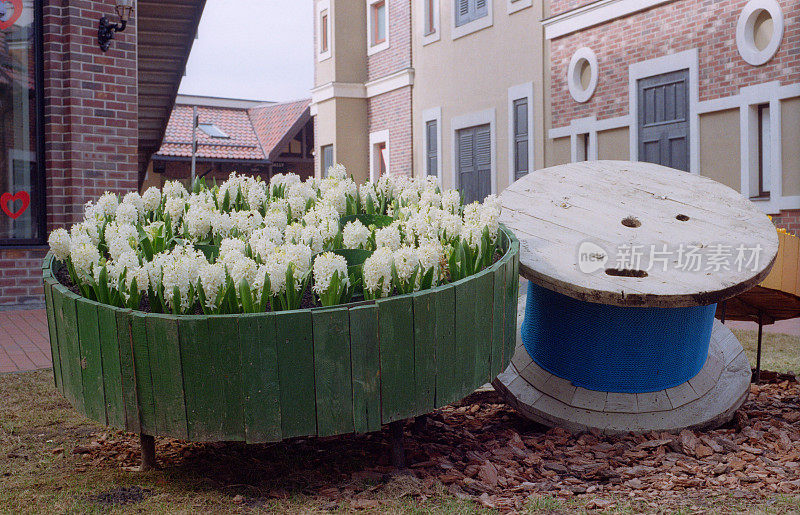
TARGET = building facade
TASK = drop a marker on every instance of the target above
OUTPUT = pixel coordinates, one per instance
(481, 92)
(708, 87)
(76, 120)
(244, 136)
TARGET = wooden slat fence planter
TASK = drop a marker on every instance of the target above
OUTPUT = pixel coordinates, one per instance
(269, 376)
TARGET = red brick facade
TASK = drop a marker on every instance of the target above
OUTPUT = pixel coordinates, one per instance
(91, 131)
(789, 220)
(560, 6)
(392, 110)
(664, 30)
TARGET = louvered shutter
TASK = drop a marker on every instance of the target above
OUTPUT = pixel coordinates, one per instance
(463, 12)
(481, 9)
(432, 150)
(466, 163)
(520, 137)
(483, 161)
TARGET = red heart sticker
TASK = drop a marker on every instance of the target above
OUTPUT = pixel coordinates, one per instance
(8, 198)
(17, 6)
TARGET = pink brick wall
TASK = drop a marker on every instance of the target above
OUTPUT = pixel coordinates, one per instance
(789, 220)
(561, 6)
(90, 129)
(663, 30)
(398, 55)
(392, 111)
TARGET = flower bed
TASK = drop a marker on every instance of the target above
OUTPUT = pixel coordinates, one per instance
(245, 363)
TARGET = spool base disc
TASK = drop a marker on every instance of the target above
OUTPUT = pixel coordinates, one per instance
(707, 400)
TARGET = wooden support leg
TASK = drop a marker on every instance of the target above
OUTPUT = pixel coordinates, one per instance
(148, 444)
(398, 450)
(758, 351)
(723, 309)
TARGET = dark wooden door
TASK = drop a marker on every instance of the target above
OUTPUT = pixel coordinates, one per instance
(475, 162)
(663, 119)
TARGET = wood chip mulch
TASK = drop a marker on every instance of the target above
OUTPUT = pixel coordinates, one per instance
(482, 449)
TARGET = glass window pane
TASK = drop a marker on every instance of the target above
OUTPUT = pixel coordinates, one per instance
(20, 172)
(379, 21)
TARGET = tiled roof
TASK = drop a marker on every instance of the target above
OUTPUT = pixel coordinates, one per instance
(257, 133)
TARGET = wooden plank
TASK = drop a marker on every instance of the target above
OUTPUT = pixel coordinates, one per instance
(127, 369)
(260, 378)
(511, 304)
(55, 352)
(144, 378)
(293, 330)
(447, 387)
(112, 374)
(91, 360)
(424, 352)
(334, 386)
(466, 331)
(67, 328)
(498, 314)
(483, 308)
(364, 348)
(164, 350)
(396, 330)
(791, 264)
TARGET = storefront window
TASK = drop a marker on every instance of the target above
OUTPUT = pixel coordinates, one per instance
(22, 213)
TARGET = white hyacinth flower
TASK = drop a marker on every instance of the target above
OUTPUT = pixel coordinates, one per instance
(377, 273)
(151, 199)
(355, 235)
(59, 242)
(127, 214)
(388, 237)
(325, 265)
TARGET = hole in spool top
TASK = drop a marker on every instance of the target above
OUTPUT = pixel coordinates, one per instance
(625, 272)
(682, 218)
(632, 222)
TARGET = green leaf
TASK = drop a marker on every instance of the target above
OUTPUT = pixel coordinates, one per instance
(246, 296)
(176, 301)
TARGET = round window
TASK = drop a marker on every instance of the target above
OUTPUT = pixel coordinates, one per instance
(759, 31)
(582, 74)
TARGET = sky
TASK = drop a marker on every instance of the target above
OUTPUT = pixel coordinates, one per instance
(253, 49)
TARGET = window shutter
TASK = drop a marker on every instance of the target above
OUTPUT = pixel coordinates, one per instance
(431, 145)
(462, 12)
(483, 161)
(520, 138)
(480, 9)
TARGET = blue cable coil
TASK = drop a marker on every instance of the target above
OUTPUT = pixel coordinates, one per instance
(615, 349)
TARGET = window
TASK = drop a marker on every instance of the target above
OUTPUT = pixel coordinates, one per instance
(474, 156)
(430, 20)
(324, 33)
(212, 130)
(470, 10)
(324, 30)
(377, 26)
(432, 148)
(327, 159)
(582, 149)
(764, 151)
(759, 31)
(22, 174)
(521, 166)
(379, 154)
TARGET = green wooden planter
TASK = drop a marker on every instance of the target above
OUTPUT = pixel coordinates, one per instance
(269, 376)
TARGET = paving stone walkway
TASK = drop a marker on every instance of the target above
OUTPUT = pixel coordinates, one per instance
(24, 341)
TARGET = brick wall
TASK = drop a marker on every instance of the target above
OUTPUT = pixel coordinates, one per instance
(663, 30)
(398, 56)
(90, 129)
(789, 220)
(392, 111)
(561, 6)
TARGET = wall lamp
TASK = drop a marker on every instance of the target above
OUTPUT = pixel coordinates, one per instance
(106, 30)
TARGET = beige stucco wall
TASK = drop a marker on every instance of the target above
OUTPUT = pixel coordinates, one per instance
(472, 74)
(614, 144)
(790, 132)
(720, 152)
(342, 122)
(558, 152)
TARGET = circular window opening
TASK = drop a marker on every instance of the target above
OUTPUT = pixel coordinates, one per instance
(582, 74)
(759, 31)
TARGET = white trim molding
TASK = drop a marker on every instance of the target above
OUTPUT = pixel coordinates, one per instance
(518, 5)
(574, 82)
(746, 28)
(465, 121)
(389, 83)
(593, 14)
(374, 139)
(436, 35)
(516, 93)
(374, 49)
(337, 89)
(324, 5)
(688, 59)
(433, 114)
(473, 26)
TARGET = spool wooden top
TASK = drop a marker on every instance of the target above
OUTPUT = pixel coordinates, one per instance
(637, 234)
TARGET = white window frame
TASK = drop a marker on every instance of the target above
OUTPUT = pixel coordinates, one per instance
(518, 5)
(745, 27)
(576, 90)
(515, 93)
(322, 6)
(374, 139)
(436, 35)
(688, 59)
(374, 49)
(474, 25)
(431, 115)
(465, 121)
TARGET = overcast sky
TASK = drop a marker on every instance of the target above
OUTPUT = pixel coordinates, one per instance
(253, 49)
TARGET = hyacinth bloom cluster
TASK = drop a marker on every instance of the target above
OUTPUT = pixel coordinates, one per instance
(248, 246)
